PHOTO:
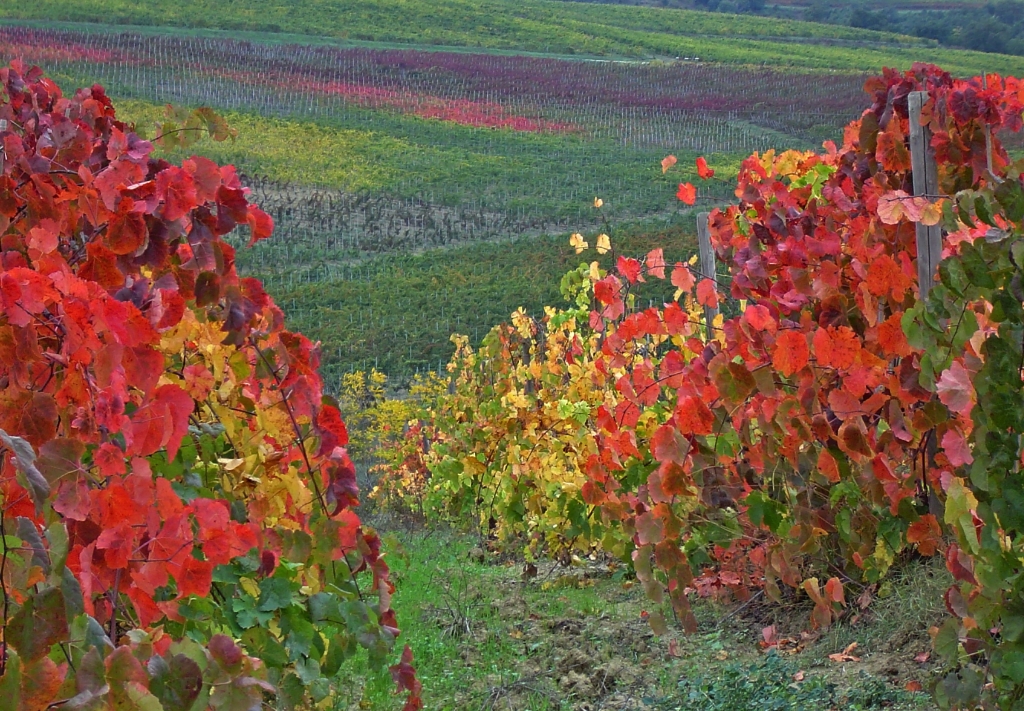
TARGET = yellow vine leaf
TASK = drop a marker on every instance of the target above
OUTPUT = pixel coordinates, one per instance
(577, 242)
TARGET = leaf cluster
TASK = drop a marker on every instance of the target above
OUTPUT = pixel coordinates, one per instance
(176, 528)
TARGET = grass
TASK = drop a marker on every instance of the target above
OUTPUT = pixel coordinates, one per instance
(479, 23)
(485, 636)
(543, 26)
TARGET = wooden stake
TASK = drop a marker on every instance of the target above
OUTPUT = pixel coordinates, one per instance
(707, 263)
(926, 182)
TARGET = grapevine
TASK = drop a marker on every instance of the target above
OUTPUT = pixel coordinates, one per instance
(175, 494)
(836, 424)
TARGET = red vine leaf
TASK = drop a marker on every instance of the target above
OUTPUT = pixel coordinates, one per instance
(261, 225)
(707, 295)
(656, 263)
(955, 389)
(957, 451)
(926, 533)
(790, 353)
(687, 193)
(630, 268)
(194, 577)
(827, 466)
(668, 445)
(682, 278)
(404, 675)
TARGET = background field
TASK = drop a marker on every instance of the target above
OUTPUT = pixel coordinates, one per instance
(488, 140)
(406, 151)
(540, 26)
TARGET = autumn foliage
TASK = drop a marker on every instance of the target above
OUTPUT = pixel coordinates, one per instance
(837, 423)
(177, 527)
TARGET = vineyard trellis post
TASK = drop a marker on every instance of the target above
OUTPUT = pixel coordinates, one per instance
(929, 238)
(707, 263)
(926, 182)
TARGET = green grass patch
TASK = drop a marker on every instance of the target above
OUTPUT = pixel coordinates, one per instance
(769, 684)
(485, 635)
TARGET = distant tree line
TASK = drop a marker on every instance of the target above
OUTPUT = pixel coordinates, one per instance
(997, 26)
(994, 27)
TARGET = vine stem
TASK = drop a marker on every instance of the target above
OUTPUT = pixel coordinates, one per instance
(115, 599)
(3, 586)
(313, 473)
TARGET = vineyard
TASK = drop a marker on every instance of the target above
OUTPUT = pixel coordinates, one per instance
(829, 418)
(131, 568)
(409, 150)
(397, 311)
(542, 26)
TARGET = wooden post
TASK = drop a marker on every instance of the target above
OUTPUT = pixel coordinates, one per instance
(707, 263)
(926, 182)
(929, 239)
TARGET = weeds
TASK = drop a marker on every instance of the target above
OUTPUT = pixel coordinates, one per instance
(778, 684)
(457, 601)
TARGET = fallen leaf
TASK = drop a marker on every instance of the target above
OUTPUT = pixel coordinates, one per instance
(845, 655)
(913, 686)
(864, 599)
(808, 636)
(922, 657)
(799, 676)
(667, 162)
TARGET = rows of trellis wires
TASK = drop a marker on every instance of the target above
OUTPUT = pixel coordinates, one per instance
(701, 107)
(324, 227)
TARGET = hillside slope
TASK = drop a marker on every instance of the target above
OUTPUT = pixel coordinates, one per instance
(537, 25)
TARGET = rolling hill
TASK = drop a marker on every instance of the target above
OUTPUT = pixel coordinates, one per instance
(538, 26)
